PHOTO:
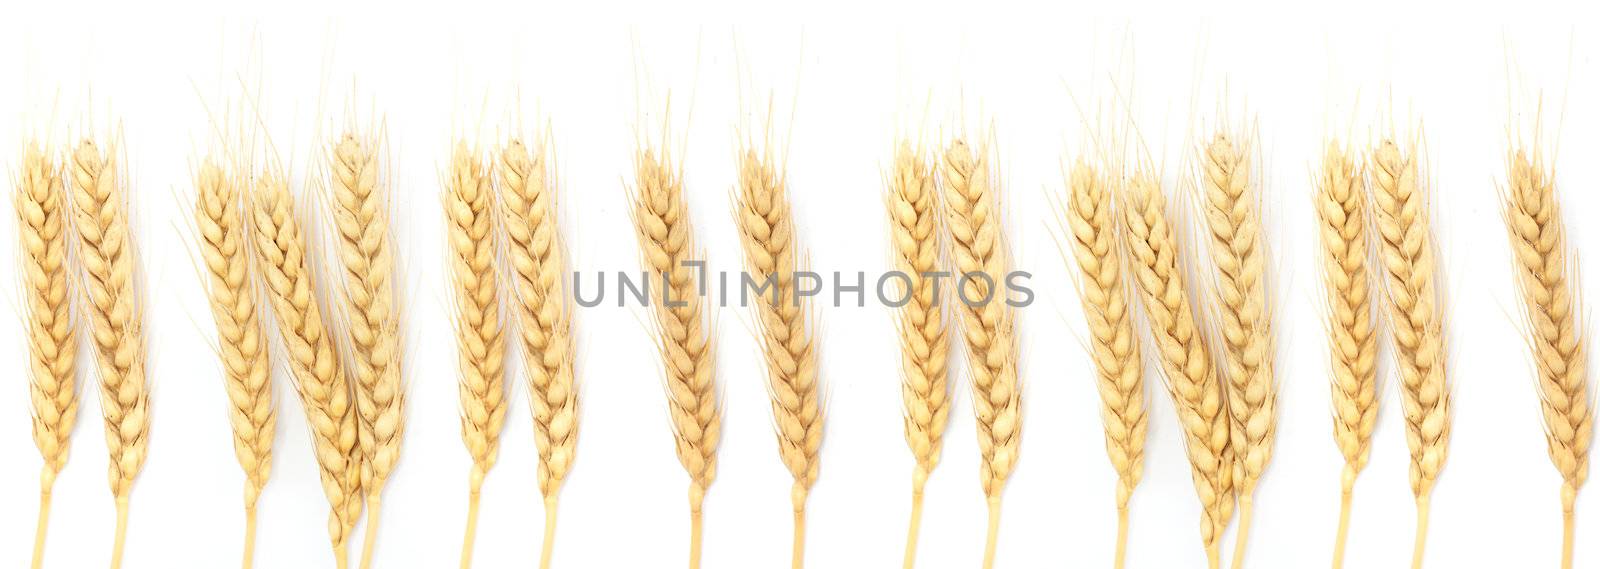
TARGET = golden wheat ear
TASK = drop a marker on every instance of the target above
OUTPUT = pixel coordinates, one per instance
(43, 225)
(105, 249)
(666, 243)
(971, 204)
(1091, 232)
(1416, 317)
(528, 197)
(1539, 250)
(914, 222)
(224, 240)
(1231, 197)
(473, 238)
(1342, 216)
(360, 208)
(313, 359)
(766, 230)
(1190, 377)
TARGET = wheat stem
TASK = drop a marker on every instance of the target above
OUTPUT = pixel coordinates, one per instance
(1422, 531)
(1567, 522)
(1121, 558)
(249, 537)
(1347, 486)
(122, 532)
(993, 540)
(474, 496)
(695, 522)
(39, 529)
(916, 526)
(549, 532)
(798, 559)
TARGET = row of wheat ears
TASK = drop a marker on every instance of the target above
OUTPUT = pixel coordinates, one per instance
(1227, 409)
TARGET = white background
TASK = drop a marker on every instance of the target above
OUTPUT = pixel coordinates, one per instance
(854, 79)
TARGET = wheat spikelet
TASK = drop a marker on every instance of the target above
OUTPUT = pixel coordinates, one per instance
(913, 204)
(480, 336)
(666, 243)
(42, 224)
(115, 316)
(361, 217)
(528, 203)
(1091, 226)
(1233, 218)
(766, 229)
(1341, 204)
(1539, 248)
(981, 265)
(241, 335)
(1416, 318)
(313, 359)
(1190, 377)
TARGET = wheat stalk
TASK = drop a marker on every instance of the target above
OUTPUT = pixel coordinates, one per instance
(1091, 226)
(43, 225)
(915, 231)
(116, 318)
(766, 230)
(241, 335)
(313, 358)
(1233, 217)
(981, 263)
(1190, 377)
(480, 336)
(1341, 204)
(1539, 247)
(361, 217)
(528, 204)
(1416, 318)
(666, 243)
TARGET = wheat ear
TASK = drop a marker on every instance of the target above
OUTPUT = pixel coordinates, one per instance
(982, 264)
(42, 223)
(528, 204)
(1190, 377)
(361, 217)
(313, 358)
(1233, 218)
(116, 318)
(1341, 204)
(1416, 318)
(666, 244)
(480, 336)
(241, 336)
(1092, 232)
(1539, 248)
(766, 229)
(913, 204)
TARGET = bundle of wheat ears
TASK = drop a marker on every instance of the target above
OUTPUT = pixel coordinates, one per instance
(1206, 307)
